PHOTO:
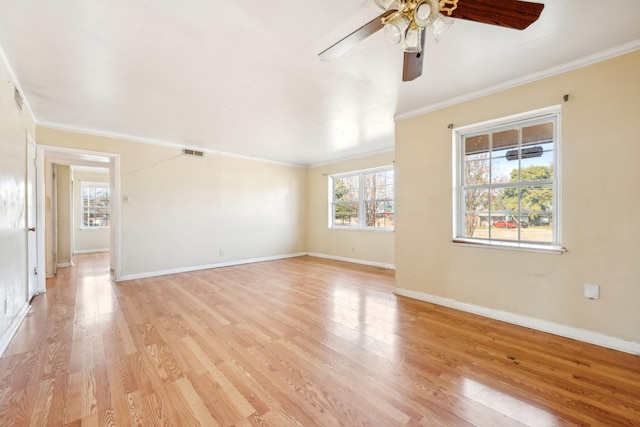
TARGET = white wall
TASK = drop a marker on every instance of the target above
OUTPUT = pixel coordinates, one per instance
(185, 212)
(600, 198)
(14, 124)
(363, 246)
(87, 240)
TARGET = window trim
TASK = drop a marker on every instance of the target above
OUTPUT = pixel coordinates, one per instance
(457, 134)
(361, 200)
(84, 184)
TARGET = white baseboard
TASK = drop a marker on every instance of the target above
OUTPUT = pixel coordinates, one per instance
(64, 264)
(353, 260)
(529, 322)
(6, 338)
(205, 267)
(91, 251)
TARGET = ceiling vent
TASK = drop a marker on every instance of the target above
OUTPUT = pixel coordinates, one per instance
(190, 152)
(18, 97)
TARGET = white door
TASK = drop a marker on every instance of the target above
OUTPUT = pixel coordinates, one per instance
(32, 257)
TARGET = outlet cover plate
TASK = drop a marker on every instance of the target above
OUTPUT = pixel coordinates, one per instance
(591, 291)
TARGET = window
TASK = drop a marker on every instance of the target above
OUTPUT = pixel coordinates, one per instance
(506, 181)
(362, 200)
(95, 205)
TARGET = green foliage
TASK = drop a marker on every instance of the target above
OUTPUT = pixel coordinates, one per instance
(537, 198)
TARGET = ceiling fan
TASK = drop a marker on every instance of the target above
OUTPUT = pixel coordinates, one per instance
(405, 21)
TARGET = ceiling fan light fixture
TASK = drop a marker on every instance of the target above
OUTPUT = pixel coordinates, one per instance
(440, 27)
(412, 42)
(426, 12)
(396, 28)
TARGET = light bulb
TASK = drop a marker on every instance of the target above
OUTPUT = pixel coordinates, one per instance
(395, 29)
(426, 12)
(440, 27)
(412, 41)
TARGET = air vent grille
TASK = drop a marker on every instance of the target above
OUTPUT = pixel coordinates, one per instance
(190, 152)
(18, 97)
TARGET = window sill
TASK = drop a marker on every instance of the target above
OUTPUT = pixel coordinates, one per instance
(510, 246)
(93, 228)
(374, 230)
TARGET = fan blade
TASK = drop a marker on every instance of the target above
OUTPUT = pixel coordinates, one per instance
(354, 38)
(412, 66)
(504, 13)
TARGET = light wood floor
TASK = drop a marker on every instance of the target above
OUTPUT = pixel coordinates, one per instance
(303, 341)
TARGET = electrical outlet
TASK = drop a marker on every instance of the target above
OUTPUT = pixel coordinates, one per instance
(591, 291)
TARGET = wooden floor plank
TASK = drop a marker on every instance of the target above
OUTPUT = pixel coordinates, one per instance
(296, 342)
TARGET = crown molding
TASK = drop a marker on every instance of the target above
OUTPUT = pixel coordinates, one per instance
(549, 72)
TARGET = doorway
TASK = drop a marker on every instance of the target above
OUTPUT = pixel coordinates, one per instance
(48, 156)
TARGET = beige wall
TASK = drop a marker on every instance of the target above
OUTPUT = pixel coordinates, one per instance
(600, 199)
(14, 124)
(185, 211)
(87, 240)
(63, 215)
(371, 247)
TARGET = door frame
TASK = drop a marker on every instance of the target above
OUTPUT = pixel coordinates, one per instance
(47, 154)
(32, 218)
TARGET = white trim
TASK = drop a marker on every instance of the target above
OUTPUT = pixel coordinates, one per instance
(91, 251)
(528, 322)
(205, 267)
(354, 157)
(250, 261)
(541, 115)
(13, 328)
(64, 264)
(509, 246)
(158, 142)
(74, 156)
(549, 72)
(353, 260)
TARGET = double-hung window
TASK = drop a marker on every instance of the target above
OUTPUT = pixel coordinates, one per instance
(507, 181)
(362, 199)
(95, 205)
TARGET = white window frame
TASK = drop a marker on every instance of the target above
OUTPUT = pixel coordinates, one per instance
(83, 185)
(361, 199)
(458, 134)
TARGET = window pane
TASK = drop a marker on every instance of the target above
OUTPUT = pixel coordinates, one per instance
(505, 140)
(477, 170)
(346, 214)
(504, 143)
(542, 132)
(538, 166)
(504, 226)
(379, 214)
(474, 145)
(345, 189)
(537, 198)
(379, 185)
(95, 205)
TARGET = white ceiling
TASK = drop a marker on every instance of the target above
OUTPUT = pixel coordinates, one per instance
(243, 76)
